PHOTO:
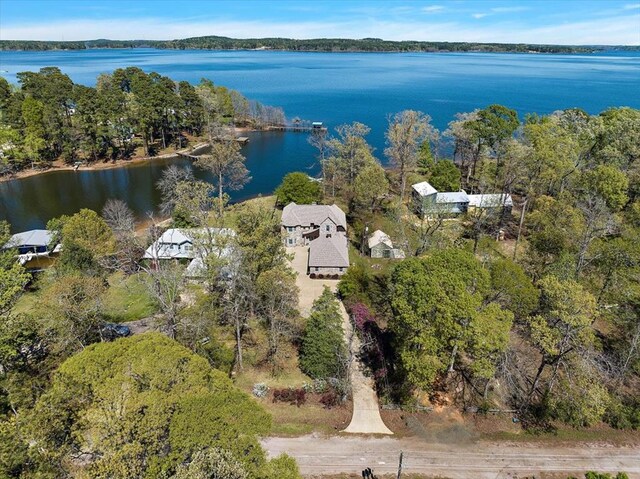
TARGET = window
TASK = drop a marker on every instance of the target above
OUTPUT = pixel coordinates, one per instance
(290, 241)
(187, 247)
(317, 269)
(290, 229)
(341, 269)
(328, 227)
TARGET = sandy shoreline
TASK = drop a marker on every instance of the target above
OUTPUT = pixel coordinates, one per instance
(59, 165)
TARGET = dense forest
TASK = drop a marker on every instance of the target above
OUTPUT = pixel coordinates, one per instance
(50, 117)
(311, 45)
(535, 310)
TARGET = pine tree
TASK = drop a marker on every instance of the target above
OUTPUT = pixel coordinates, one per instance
(323, 350)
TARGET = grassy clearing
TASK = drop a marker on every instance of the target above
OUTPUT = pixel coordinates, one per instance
(28, 302)
(290, 420)
(127, 299)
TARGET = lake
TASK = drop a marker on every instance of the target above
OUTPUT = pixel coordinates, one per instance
(331, 87)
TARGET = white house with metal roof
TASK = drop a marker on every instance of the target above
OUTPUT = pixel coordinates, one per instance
(192, 245)
(491, 201)
(429, 201)
(33, 241)
(33, 244)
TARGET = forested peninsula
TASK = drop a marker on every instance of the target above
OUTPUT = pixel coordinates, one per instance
(308, 45)
(128, 114)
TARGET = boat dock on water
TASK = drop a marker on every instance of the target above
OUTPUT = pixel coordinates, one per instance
(300, 127)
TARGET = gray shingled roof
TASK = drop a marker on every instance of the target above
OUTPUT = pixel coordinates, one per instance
(306, 215)
(329, 252)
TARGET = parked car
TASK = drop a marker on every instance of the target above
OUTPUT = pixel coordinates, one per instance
(113, 331)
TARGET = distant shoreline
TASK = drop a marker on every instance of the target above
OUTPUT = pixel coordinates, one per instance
(320, 45)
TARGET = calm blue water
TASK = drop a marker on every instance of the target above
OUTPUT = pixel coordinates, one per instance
(334, 88)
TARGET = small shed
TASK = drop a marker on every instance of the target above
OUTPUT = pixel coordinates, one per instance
(381, 246)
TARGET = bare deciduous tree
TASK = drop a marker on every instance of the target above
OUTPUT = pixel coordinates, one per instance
(320, 140)
(164, 280)
(406, 133)
(119, 217)
(168, 183)
(226, 163)
(278, 301)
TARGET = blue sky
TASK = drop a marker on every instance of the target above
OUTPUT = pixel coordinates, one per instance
(606, 22)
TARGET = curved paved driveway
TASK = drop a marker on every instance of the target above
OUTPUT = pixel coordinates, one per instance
(366, 414)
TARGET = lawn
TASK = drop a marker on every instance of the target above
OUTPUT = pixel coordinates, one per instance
(289, 420)
(127, 299)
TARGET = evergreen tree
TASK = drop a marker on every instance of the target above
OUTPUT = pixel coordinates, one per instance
(323, 350)
(425, 158)
(445, 176)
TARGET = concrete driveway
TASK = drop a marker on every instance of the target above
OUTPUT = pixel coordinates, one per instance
(366, 414)
(310, 289)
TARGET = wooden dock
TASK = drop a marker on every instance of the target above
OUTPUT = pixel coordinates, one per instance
(297, 128)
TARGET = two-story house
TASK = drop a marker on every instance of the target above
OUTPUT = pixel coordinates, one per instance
(192, 245)
(301, 224)
(427, 201)
(324, 229)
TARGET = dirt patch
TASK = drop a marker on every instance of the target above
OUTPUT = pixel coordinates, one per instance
(378, 476)
(445, 425)
(144, 325)
(448, 426)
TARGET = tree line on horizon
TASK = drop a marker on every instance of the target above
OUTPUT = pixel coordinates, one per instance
(311, 45)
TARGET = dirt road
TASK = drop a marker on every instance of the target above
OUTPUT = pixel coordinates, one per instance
(332, 455)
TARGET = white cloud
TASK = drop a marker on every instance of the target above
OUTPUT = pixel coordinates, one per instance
(499, 10)
(631, 6)
(615, 30)
(433, 9)
(521, 8)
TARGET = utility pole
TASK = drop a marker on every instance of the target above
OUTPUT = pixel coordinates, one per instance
(400, 465)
